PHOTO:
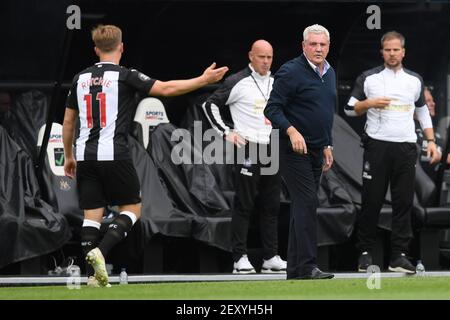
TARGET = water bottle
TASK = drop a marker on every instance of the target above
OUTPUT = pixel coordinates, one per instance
(74, 277)
(420, 269)
(123, 277)
(109, 268)
(73, 270)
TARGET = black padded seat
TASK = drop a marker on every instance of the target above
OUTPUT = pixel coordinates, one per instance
(437, 217)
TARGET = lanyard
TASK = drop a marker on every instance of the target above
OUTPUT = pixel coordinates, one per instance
(268, 88)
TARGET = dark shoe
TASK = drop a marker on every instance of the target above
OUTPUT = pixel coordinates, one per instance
(364, 261)
(316, 274)
(401, 264)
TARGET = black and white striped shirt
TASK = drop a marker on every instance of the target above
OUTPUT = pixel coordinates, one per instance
(103, 94)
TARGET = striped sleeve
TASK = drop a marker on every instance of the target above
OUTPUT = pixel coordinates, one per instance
(217, 102)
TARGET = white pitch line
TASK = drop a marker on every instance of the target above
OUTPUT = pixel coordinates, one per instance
(45, 280)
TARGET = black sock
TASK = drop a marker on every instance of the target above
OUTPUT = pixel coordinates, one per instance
(89, 240)
(117, 231)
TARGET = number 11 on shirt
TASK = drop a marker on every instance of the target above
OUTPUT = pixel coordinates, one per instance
(101, 97)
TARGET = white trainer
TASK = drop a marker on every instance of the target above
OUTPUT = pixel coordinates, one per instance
(274, 265)
(243, 266)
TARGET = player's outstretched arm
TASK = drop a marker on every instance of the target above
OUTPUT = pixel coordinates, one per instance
(179, 87)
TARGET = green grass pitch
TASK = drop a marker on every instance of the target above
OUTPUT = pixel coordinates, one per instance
(390, 288)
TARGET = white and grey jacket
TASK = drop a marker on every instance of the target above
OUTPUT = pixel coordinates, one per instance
(394, 123)
(245, 93)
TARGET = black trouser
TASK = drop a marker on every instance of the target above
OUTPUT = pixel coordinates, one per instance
(384, 163)
(260, 192)
(302, 175)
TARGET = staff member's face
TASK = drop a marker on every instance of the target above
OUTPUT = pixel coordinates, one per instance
(393, 53)
(261, 57)
(316, 47)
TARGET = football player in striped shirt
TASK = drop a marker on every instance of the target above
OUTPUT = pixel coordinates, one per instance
(102, 98)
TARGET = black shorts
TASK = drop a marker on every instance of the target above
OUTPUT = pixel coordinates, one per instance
(101, 183)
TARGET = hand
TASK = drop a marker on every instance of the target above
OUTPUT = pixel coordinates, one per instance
(297, 141)
(213, 75)
(70, 167)
(379, 103)
(236, 138)
(328, 159)
(432, 152)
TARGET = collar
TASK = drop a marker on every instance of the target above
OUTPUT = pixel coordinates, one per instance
(316, 69)
(102, 62)
(392, 72)
(256, 75)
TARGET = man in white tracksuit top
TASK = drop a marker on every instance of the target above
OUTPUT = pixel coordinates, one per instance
(246, 93)
(389, 94)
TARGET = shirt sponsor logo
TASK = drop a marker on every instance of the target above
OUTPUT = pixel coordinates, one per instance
(259, 106)
(398, 106)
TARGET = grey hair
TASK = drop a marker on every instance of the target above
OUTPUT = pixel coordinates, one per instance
(315, 28)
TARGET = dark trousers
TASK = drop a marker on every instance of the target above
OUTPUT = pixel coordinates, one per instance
(302, 175)
(255, 192)
(384, 163)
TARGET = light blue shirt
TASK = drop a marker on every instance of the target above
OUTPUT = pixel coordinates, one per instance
(316, 69)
